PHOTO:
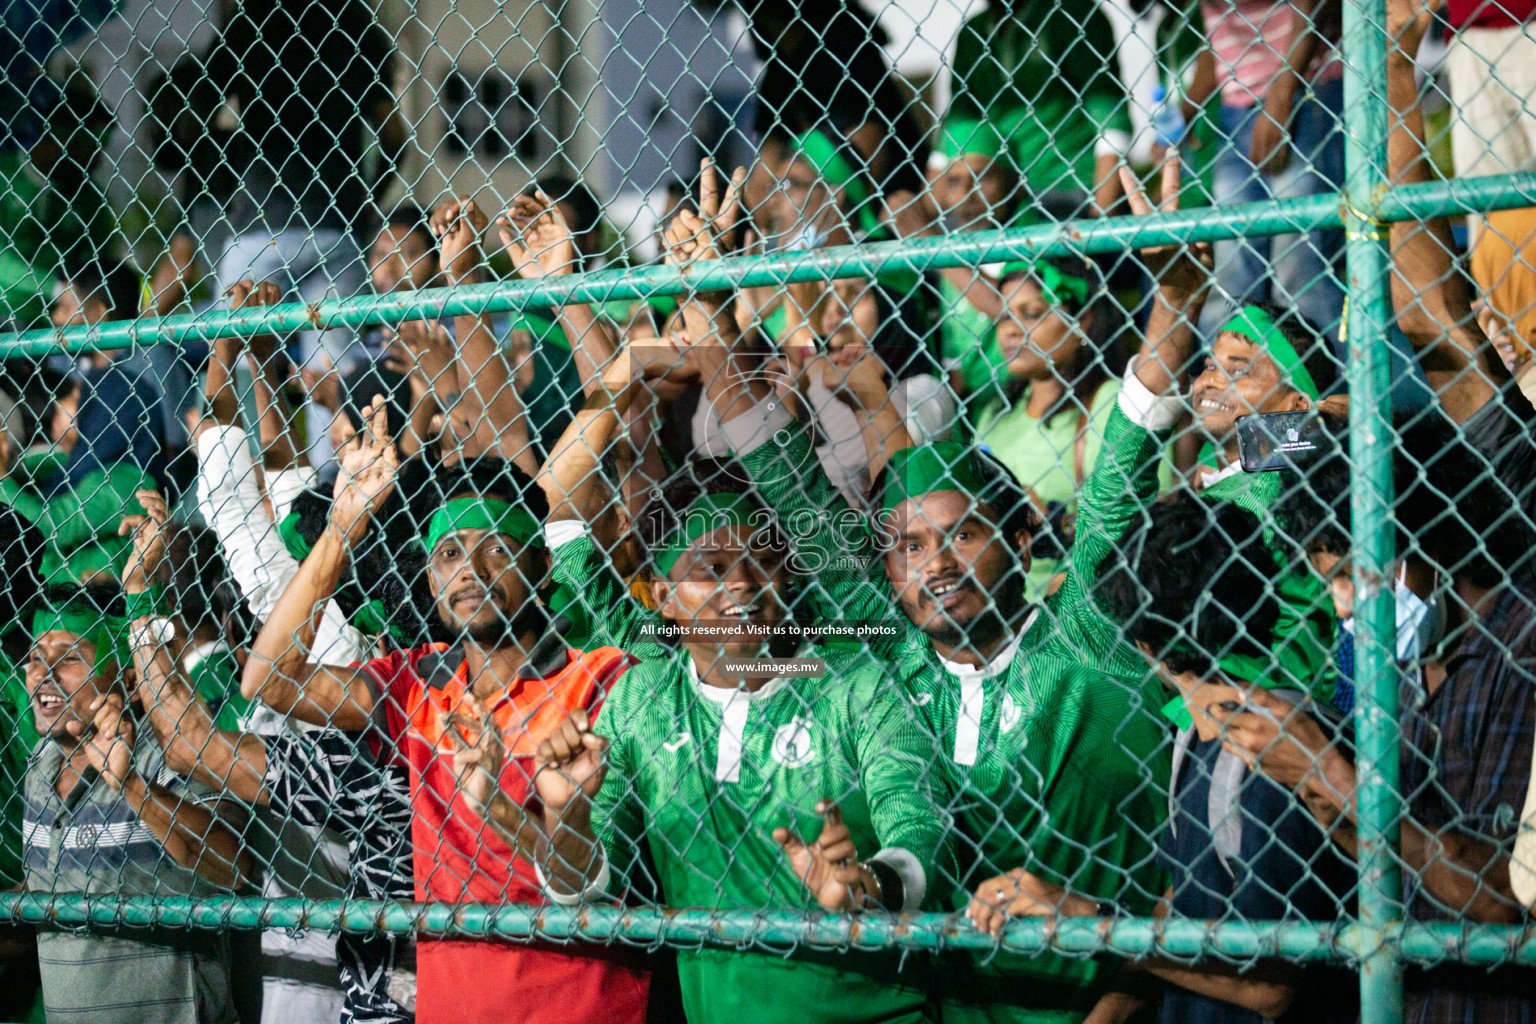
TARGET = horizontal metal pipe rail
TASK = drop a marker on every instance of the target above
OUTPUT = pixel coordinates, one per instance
(1131, 937)
(1201, 224)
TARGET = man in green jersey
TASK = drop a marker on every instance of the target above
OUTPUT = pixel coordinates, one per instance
(716, 761)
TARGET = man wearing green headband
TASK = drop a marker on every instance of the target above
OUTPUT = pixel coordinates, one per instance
(1040, 743)
(1261, 363)
(755, 772)
(100, 784)
(452, 713)
(1054, 695)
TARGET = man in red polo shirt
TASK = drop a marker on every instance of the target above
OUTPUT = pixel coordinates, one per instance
(484, 552)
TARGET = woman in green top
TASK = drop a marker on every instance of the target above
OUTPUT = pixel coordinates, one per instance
(1048, 385)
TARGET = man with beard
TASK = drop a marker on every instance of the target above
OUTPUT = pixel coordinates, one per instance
(506, 678)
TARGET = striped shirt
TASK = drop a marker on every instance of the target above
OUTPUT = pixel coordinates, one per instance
(325, 779)
(93, 842)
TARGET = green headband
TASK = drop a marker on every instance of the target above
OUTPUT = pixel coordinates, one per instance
(709, 512)
(1259, 327)
(1056, 285)
(963, 137)
(835, 168)
(945, 466)
(482, 514)
(288, 530)
(89, 624)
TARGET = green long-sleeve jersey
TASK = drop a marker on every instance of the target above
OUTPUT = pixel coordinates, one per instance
(701, 776)
(1054, 748)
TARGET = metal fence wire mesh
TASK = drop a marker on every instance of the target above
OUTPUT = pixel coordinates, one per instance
(760, 512)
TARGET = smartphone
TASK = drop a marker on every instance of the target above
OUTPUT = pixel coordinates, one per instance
(1273, 440)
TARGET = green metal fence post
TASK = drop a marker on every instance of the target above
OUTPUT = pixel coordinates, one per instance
(1370, 431)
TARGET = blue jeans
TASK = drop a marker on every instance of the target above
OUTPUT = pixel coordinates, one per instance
(1295, 271)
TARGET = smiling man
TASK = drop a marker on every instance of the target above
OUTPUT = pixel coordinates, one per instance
(754, 773)
(506, 672)
(103, 814)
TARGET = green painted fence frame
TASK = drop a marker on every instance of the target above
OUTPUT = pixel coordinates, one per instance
(1379, 943)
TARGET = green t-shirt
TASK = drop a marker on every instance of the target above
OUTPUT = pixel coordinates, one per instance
(1043, 454)
(702, 776)
(1043, 72)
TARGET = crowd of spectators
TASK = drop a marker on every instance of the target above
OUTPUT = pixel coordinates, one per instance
(961, 590)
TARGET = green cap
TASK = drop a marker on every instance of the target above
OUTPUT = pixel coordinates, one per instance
(475, 513)
(706, 514)
(1259, 327)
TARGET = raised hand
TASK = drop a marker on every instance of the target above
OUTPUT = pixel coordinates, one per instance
(108, 740)
(1407, 23)
(698, 236)
(174, 275)
(458, 225)
(829, 867)
(912, 214)
(321, 385)
(243, 294)
(368, 466)
(1185, 267)
(722, 214)
(569, 766)
(259, 349)
(537, 238)
(149, 539)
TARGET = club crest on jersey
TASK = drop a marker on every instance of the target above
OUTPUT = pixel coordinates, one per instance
(1008, 716)
(792, 744)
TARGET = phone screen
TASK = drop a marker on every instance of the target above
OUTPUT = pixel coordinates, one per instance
(1273, 440)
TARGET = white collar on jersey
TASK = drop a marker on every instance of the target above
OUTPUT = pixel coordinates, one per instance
(1209, 477)
(721, 695)
(998, 665)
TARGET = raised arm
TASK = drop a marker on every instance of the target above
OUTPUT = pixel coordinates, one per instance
(541, 245)
(279, 671)
(279, 450)
(224, 761)
(1429, 292)
(484, 376)
(192, 833)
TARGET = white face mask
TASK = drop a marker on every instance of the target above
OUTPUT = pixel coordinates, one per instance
(1420, 623)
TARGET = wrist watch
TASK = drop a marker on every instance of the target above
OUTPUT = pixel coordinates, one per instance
(157, 632)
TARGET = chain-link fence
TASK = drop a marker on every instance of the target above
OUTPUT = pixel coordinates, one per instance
(993, 512)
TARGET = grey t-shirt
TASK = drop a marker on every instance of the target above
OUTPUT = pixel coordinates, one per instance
(94, 843)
